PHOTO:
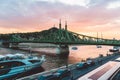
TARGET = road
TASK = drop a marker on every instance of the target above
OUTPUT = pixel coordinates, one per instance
(75, 73)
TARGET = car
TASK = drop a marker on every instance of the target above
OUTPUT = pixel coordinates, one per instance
(62, 73)
(58, 75)
(90, 62)
(81, 65)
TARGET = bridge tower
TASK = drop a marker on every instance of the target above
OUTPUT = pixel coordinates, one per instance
(60, 24)
(66, 25)
(63, 51)
(63, 48)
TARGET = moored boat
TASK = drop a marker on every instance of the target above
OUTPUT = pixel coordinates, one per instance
(74, 48)
(99, 46)
(114, 50)
(13, 65)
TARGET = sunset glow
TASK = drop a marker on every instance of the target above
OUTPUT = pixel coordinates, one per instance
(83, 16)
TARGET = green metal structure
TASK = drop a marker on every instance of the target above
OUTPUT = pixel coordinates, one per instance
(56, 36)
(62, 36)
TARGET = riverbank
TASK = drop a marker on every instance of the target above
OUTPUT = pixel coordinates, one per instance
(76, 73)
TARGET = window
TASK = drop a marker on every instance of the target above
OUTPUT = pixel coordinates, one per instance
(10, 64)
(116, 76)
(34, 61)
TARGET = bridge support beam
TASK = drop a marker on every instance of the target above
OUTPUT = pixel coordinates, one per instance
(5, 44)
(14, 45)
(10, 45)
(63, 51)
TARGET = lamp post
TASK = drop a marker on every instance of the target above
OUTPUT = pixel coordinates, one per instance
(30, 51)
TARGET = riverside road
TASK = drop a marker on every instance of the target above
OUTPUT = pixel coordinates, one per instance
(76, 73)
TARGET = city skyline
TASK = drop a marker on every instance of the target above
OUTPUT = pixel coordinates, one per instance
(83, 16)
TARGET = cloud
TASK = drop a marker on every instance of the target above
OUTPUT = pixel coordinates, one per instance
(114, 4)
(68, 2)
(37, 15)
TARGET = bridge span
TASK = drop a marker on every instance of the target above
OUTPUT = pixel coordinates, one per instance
(59, 36)
(56, 36)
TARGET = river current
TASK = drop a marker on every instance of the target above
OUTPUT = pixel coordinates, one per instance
(75, 55)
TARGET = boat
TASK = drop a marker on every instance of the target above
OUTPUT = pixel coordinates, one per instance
(15, 64)
(114, 50)
(1, 57)
(74, 48)
(99, 46)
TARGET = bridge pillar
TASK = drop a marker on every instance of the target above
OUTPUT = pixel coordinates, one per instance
(5, 44)
(13, 45)
(64, 51)
(10, 45)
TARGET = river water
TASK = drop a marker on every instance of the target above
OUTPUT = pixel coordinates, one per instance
(52, 61)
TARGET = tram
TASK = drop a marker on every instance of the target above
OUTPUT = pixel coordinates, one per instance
(108, 71)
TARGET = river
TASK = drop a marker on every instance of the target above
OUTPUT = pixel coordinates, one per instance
(52, 61)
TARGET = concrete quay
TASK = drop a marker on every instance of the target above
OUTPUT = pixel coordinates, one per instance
(75, 73)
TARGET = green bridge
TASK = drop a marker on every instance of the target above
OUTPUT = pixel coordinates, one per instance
(56, 36)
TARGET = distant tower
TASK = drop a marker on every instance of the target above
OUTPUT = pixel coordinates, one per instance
(60, 24)
(65, 25)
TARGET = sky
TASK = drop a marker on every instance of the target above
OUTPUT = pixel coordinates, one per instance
(87, 17)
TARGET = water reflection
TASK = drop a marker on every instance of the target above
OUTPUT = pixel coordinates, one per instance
(84, 52)
(54, 61)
